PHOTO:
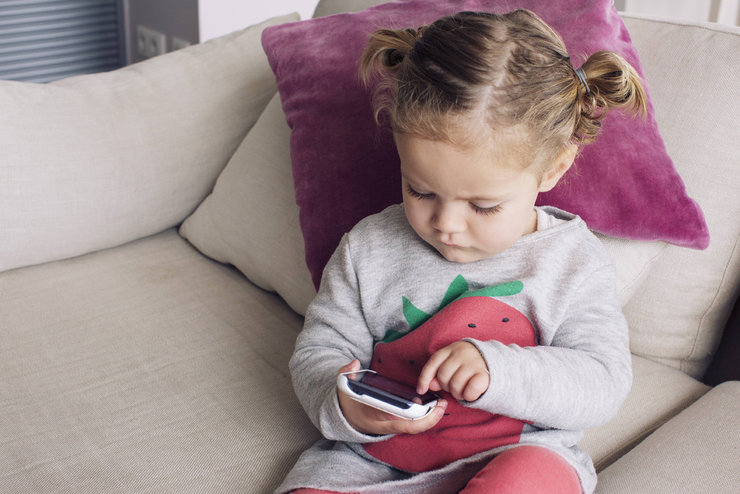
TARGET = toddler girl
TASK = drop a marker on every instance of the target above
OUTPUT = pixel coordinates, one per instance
(508, 310)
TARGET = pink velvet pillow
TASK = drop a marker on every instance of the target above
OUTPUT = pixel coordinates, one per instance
(345, 168)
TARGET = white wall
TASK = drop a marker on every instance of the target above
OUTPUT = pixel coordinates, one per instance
(729, 12)
(722, 11)
(218, 17)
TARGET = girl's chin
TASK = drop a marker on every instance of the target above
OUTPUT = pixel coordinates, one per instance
(458, 254)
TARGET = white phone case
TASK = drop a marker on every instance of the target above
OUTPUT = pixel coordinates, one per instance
(383, 400)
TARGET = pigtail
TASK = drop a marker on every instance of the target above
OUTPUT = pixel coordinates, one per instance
(384, 54)
(608, 82)
(386, 50)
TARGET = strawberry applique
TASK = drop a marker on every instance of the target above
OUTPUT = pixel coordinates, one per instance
(463, 431)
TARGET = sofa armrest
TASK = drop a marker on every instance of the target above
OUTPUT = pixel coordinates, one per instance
(697, 451)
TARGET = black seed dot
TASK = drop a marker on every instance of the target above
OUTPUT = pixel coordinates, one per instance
(411, 362)
(471, 325)
(380, 360)
(505, 319)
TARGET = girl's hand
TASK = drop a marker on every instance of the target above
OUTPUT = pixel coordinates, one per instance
(459, 369)
(369, 420)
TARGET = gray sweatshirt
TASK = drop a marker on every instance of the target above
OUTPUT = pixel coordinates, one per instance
(546, 319)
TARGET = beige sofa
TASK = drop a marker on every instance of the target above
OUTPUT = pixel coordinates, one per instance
(134, 360)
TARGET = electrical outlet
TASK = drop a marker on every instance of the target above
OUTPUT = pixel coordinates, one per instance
(150, 43)
(178, 43)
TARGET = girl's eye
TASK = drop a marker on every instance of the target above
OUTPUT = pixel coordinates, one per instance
(418, 195)
(486, 211)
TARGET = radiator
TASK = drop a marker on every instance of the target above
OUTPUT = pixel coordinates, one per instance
(45, 40)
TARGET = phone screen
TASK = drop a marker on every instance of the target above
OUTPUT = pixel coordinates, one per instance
(380, 386)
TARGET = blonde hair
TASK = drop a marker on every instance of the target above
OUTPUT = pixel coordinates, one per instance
(511, 70)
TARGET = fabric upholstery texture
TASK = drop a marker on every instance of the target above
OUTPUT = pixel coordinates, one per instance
(697, 451)
(250, 219)
(145, 368)
(658, 393)
(97, 160)
(675, 314)
(345, 168)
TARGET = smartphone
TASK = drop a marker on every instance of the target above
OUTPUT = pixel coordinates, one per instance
(388, 395)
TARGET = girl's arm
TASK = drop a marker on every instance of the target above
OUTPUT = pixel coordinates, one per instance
(334, 334)
(578, 380)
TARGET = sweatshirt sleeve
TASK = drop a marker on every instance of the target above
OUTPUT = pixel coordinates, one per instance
(334, 333)
(576, 381)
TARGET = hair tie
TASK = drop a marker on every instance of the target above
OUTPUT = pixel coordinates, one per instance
(581, 74)
(394, 57)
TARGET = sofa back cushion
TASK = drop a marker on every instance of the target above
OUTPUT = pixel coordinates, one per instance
(250, 219)
(98, 160)
(677, 315)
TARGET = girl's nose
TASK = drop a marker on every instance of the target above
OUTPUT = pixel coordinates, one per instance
(447, 219)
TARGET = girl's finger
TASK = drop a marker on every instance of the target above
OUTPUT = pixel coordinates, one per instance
(417, 426)
(352, 366)
(434, 385)
(477, 385)
(448, 372)
(429, 371)
(458, 382)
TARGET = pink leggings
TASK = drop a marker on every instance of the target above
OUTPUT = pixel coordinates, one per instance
(520, 470)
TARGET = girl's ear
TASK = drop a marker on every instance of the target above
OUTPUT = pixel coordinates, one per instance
(558, 167)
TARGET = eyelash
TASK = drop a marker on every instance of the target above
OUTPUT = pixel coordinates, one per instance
(418, 195)
(486, 211)
(477, 209)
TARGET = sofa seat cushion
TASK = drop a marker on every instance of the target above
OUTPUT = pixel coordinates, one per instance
(658, 393)
(145, 368)
(697, 451)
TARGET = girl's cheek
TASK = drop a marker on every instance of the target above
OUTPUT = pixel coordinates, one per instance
(414, 209)
(412, 213)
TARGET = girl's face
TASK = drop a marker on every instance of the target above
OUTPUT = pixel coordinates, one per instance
(469, 203)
